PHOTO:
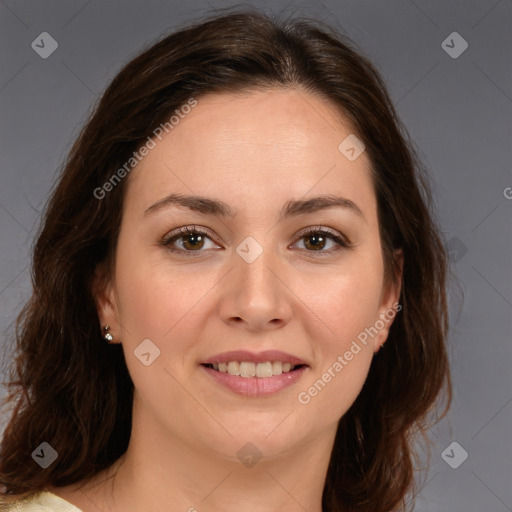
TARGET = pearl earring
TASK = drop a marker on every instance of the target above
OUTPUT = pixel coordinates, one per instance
(107, 335)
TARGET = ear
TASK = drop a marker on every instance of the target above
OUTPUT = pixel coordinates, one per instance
(105, 300)
(389, 305)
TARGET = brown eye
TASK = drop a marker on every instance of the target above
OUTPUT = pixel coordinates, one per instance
(192, 240)
(317, 239)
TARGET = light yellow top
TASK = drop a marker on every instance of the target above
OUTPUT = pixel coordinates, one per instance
(44, 501)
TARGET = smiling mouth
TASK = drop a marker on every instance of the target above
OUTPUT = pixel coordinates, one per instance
(258, 370)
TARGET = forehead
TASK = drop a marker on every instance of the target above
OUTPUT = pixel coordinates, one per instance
(257, 144)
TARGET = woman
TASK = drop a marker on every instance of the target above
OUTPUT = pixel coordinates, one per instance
(239, 290)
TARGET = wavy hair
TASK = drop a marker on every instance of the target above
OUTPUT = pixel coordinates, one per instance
(71, 389)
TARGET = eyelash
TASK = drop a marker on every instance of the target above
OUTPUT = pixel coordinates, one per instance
(342, 242)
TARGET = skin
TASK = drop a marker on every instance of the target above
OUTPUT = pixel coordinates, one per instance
(254, 151)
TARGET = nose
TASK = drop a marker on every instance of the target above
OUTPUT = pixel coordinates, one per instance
(256, 297)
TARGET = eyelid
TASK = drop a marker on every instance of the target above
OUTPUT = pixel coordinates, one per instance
(188, 229)
(185, 230)
(335, 234)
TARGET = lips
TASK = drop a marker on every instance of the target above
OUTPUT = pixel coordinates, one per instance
(255, 374)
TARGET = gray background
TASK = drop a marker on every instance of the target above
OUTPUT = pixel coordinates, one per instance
(458, 111)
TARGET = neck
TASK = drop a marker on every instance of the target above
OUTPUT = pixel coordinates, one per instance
(159, 471)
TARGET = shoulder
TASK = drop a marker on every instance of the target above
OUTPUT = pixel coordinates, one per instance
(43, 501)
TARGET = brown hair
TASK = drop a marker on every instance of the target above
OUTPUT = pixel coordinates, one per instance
(70, 388)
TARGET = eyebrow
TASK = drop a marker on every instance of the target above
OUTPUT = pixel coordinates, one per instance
(291, 208)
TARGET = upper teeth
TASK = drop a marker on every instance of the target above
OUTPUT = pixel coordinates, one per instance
(248, 369)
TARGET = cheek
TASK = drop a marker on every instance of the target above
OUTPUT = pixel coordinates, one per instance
(350, 302)
(155, 302)
(349, 307)
(332, 390)
(142, 295)
(157, 298)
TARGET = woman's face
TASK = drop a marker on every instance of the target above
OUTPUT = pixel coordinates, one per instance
(251, 280)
